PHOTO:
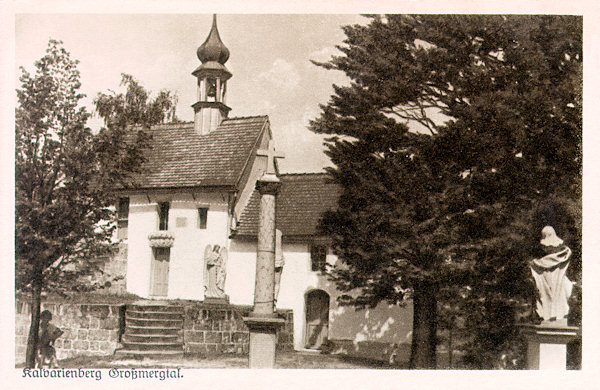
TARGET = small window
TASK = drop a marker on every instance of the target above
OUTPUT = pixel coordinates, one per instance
(163, 216)
(202, 217)
(318, 256)
(122, 218)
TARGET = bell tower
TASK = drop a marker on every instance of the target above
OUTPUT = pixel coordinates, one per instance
(212, 75)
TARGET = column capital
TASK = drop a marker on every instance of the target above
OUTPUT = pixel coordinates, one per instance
(268, 184)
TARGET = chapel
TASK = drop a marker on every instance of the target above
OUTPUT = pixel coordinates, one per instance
(188, 228)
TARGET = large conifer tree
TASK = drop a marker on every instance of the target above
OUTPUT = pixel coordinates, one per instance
(458, 138)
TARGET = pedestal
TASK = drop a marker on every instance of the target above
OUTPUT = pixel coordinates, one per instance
(263, 340)
(547, 345)
(224, 300)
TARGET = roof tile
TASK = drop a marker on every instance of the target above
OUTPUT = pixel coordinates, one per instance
(302, 200)
(180, 157)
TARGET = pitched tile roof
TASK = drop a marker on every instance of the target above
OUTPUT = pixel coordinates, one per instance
(180, 157)
(301, 201)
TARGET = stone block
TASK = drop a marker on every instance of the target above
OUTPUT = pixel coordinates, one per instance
(194, 336)
(228, 348)
(106, 346)
(82, 334)
(67, 344)
(100, 311)
(188, 324)
(109, 323)
(216, 325)
(98, 334)
(212, 337)
(94, 323)
(204, 325)
(113, 336)
(81, 345)
(69, 333)
(94, 346)
(226, 337)
(211, 348)
(21, 330)
(226, 325)
(240, 337)
(84, 322)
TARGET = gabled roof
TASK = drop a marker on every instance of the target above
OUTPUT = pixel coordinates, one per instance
(180, 157)
(302, 200)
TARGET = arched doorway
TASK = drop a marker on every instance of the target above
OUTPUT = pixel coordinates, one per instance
(317, 318)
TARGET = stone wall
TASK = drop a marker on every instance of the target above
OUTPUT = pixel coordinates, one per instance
(89, 329)
(213, 329)
(95, 329)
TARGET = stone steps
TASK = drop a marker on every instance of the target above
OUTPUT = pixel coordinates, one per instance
(152, 329)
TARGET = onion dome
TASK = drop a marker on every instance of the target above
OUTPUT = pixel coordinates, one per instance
(213, 48)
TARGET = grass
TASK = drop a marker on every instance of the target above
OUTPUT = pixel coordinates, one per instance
(292, 360)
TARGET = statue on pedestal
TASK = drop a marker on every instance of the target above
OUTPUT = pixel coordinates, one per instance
(549, 272)
(215, 271)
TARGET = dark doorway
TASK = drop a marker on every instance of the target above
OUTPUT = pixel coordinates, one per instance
(317, 318)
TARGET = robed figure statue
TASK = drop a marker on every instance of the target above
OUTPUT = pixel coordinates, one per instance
(215, 271)
(549, 272)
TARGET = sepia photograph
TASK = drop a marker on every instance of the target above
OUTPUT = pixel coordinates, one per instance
(380, 192)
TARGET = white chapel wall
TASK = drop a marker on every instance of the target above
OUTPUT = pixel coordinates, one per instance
(187, 253)
(383, 324)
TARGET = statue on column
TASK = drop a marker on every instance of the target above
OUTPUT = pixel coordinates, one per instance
(549, 272)
(215, 271)
(279, 262)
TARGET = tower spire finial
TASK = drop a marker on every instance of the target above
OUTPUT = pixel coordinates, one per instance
(213, 49)
(212, 75)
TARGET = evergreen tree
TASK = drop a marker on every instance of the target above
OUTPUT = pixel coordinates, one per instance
(64, 174)
(457, 140)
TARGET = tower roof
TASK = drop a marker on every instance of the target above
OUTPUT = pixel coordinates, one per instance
(213, 49)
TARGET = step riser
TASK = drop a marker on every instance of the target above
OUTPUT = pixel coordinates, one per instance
(161, 308)
(157, 354)
(150, 347)
(153, 330)
(131, 338)
(141, 331)
(154, 315)
(154, 323)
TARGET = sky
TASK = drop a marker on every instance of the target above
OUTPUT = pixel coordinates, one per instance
(270, 62)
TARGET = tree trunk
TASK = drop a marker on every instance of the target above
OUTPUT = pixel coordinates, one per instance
(34, 327)
(424, 338)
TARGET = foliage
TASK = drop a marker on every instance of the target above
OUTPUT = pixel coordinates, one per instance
(65, 175)
(457, 139)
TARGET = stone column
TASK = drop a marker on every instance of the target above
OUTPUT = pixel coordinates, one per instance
(262, 321)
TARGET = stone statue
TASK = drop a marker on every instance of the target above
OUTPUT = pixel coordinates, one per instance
(554, 288)
(215, 266)
(279, 262)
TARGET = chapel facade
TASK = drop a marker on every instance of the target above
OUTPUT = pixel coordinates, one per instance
(195, 209)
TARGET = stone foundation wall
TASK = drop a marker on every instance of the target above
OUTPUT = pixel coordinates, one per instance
(89, 329)
(213, 329)
(95, 329)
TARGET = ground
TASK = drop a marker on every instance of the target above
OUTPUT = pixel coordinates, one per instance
(283, 360)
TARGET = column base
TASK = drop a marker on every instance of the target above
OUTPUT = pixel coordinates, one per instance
(547, 344)
(263, 340)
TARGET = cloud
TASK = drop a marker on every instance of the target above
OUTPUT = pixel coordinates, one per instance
(324, 54)
(282, 74)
